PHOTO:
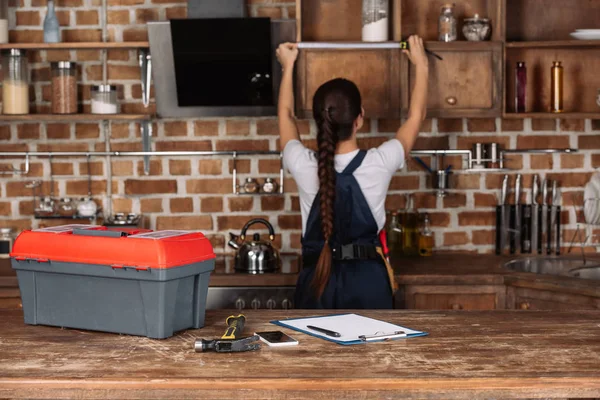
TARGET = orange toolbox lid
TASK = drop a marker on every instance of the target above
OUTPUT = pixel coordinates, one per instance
(91, 244)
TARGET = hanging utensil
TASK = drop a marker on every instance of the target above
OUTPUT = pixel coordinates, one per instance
(516, 225)
(145, 62)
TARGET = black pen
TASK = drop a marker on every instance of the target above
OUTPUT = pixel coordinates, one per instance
(325, 331)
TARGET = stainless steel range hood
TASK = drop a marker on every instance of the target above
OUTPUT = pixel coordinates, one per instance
(165, 72)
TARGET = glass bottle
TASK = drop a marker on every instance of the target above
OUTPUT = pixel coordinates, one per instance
(447, 31)
(426, 238)
(64, 87)
(410, 230)
(520, 87)
(556, 93)
(4, 21)
(394, 235)
(15, 86)
(51, 25)
(375, 25)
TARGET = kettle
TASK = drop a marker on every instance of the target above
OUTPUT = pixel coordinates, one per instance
(255, 256)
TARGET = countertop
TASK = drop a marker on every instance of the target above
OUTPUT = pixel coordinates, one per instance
(466, 355)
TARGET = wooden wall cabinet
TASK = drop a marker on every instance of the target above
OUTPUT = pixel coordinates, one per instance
(518, 298)
(375, 72)
(446, 297)
(467, 83)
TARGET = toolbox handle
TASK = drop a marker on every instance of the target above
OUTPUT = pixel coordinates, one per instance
(106, 233)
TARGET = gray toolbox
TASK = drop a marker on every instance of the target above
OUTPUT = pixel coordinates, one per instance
(132, 282)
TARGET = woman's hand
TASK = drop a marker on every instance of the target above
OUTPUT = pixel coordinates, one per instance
(416, 52)
(287, 54)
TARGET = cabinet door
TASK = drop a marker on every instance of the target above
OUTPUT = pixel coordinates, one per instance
(455, 297)
(376, 72)
(466, 83)
(535, 299)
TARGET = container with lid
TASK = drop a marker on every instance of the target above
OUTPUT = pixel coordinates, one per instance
(477, 29)
(447, 24)
(4, 21)
(104, 99)
(15, 86)
(64, 87)
(375, 26)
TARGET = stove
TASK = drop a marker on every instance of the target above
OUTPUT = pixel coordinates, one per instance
(250, 298)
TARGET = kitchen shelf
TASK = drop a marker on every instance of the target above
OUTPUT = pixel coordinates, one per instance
(75, 46)
(36, 216)
(430, 45)
(549, 115)
(74, 117)
(553, 44)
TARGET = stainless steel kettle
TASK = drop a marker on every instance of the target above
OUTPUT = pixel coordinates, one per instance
(255, 256)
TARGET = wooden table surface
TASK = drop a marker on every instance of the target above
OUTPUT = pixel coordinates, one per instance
(467, 355)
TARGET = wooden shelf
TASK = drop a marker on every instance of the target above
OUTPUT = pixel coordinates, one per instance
(549, 115)
(553, 44)
(431, 45)
(74, 117)
(75, 46)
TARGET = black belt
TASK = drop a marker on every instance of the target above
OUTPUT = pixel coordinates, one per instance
(355, 252)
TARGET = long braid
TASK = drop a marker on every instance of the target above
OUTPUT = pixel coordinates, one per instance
(327, 142)
(336, 105)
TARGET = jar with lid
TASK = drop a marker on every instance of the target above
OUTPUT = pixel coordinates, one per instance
(64, 87)
(46, 207)
(270, 186)
(15, 86)
(6, 242)
(66, 207)
(251, 186)
(4, 21)
(447, 24)
(104, 99)
(87, 207)
(375, 25)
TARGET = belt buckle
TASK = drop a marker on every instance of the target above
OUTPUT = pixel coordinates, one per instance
(347, 252)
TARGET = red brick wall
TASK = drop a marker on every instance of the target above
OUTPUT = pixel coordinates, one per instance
(194, 193)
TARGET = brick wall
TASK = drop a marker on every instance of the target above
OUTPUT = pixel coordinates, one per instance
(194, 193)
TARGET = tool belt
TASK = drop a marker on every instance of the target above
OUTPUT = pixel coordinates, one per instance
(354, 252)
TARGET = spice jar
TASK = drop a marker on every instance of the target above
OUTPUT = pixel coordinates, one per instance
(15, 86)
(46, 207)
(104, 99)
(64, 87)
(66, 207)
(6, 242)
(447, 24)
(87, 207)
(251, 186)
(270, 186)
(375, 26)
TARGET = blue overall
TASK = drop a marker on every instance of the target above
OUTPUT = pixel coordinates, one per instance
(353, 284)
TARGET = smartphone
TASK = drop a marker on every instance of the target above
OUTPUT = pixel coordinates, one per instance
(277, 338)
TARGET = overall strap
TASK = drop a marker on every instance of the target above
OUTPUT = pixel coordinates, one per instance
(355, 163)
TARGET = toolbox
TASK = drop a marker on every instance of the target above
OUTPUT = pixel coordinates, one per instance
(147, 283)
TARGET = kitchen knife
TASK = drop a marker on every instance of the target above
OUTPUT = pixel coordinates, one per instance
(544, 217)
(503, 228)
(534, 215)
(556, 216)
(516, 225)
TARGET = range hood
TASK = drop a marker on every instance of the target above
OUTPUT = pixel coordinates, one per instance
(217, 66)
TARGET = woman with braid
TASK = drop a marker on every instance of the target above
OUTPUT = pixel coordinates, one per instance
(342, 189)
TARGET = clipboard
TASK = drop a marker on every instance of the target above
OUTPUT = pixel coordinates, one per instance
(353, 328)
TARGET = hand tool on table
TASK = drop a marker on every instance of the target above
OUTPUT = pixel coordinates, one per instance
(501, 216)
(535, 223)
(230, 342)
(516, 222)
(543, 217)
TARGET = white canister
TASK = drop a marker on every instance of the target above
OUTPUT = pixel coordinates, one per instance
(375, 20)
(104, 99)
(87, 207)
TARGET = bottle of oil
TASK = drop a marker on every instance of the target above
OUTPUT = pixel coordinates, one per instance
(394, 235)
(426, 238)
(410, 229)
(556, 93)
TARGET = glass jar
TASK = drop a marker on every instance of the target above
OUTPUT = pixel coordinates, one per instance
(447, 24)
(15, 86)
(46, 207)
(64, 87)
(104, 99)
(4, 21)
(251, 186)
(375, 25)
(66, 207)
(6, 242)
(87, 207)
(270, 186)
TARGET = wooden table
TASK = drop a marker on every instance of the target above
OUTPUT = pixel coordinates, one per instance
(466, 355)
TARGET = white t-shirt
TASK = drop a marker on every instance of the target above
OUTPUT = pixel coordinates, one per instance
(373, 175)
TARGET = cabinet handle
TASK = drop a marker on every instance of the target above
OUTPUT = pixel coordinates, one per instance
(524, 306)
(456, 306)
(451, 100)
